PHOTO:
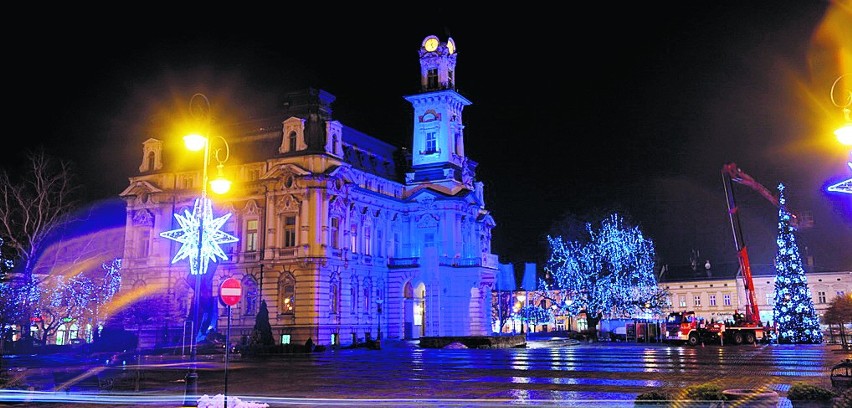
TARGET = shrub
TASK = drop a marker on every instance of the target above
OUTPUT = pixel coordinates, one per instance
(654, 395)
(705, 392)
(809, 392)
(844, 400)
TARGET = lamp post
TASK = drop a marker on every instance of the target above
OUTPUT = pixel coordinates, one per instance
(842, 98)
(200, 235)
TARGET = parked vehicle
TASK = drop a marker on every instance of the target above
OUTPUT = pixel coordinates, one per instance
(685, 327)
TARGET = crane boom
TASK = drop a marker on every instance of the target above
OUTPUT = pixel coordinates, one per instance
(730, 174)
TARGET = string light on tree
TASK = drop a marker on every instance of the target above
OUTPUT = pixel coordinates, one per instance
(795, 315)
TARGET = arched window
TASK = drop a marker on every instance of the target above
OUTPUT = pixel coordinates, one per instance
(287, 294)
(250, 296)
(334, 297)
(408, 291)
(151, 161)
(291, 140)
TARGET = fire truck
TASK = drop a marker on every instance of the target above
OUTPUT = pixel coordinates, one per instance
(684, 326)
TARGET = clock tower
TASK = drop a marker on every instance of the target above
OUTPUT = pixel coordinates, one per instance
(437, 152)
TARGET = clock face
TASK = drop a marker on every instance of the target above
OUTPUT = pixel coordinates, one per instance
(431, 44)
(451, 46)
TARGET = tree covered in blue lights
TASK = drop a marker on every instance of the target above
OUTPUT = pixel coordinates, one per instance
(608, 273)
(535, 315)
(57, 299)
(795, 316)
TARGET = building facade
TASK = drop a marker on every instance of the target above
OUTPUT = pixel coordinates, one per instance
(343, 236)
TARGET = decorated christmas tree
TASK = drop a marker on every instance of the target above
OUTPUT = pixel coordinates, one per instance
(795, 316)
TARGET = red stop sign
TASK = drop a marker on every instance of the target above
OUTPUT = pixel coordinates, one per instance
(230, 291)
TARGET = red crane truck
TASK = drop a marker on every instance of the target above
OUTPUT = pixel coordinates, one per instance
(685, 327)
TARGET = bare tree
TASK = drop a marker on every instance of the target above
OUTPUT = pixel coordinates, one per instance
(34, 205)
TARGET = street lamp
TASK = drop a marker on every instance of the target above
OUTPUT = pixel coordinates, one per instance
(842, 98)
(201, 236)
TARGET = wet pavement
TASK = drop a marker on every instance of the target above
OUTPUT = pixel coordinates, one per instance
(547, 372)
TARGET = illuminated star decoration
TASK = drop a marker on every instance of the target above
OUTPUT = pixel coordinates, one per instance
(843, 186)
(212, 237)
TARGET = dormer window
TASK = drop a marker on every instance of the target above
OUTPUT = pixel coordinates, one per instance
(291, 142)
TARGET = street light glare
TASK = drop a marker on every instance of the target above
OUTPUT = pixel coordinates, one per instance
(220, 185)
(844, 134)
(194, 142)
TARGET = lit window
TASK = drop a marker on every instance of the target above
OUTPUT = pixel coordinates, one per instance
(289, 231)
(821, 296)
(683, 301)
(696, 300)
(251, 235)
(353, 236)
(287, 290)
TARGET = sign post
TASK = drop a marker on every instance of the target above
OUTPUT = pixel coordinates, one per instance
(230, 293)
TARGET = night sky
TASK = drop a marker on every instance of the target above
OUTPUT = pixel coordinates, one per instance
(604, 106)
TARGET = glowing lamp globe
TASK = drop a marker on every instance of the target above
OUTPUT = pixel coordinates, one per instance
(194, 142)
(220, 185)
(844, 134)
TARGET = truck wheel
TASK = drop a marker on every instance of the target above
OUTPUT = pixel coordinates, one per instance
(738, 338)
(693, 339)
(749, 338)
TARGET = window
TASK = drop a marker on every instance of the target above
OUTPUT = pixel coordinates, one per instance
(289, 231)
(334, 298)
(770, 298)
(683, 301)
(431, 142)
(250, 295)
(150, 166)
(396, 245)
(379, 244)
(450, 78)
(287, 291)
(186, 182)
(251, 235)
(712, 300)
(229, 227)
(334, 236)
(840, 293)
(696, 300)
(367, 243)
(353, 235)
(432, 78)
(291, 142)
(821, 296)
(727, 300)
(144, 243)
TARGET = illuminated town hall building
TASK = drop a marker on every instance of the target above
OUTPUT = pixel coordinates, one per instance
(345, 237)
